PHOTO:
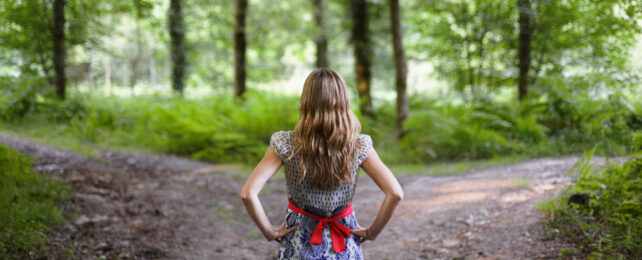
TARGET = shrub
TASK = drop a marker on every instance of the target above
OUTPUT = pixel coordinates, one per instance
(610, 226)
(216, 129)
(18, 96)
(580, 118)
(483, 130)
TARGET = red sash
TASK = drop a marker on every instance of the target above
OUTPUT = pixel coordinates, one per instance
(338, 232)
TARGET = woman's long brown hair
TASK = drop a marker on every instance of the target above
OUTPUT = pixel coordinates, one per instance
(325, 138)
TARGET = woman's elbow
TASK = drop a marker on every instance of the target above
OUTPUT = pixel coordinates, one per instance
(397, 195)
(245, 195)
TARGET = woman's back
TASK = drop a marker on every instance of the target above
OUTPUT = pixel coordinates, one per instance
(322, 157)
(320, 202)
(305, 195)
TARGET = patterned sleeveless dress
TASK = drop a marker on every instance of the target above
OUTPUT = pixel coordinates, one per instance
(320, 202)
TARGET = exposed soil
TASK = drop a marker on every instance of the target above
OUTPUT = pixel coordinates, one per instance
(155, 206)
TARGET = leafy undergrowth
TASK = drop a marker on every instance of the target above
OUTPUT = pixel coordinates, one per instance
(219, 129)
(609, 226)
(216, 129)
(28, 203)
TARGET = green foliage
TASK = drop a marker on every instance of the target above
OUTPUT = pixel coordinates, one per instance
(484, 129)
(449, 131)
(28, 201)
(578, 118)
(216, 129)
(470, 39)
(219, 129)
(475, 42)
(636, 141)
(18, 97)
(27, 41)
(611, 225)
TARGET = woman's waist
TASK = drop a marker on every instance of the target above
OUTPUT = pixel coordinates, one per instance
(320, 209)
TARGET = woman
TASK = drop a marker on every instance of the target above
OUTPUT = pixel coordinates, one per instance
(322, 158)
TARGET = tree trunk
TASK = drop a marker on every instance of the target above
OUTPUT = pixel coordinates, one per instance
(322, 39)
(90, 69)
(524, 48)
(58, 32)
(240, 45)
(400, 66)
(152, 70)
(361, 44)
(177, 35)
(124, 75)
(108, 74)
(133, 77)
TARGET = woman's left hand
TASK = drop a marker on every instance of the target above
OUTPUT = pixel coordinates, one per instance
(362, 233)
(281, 232)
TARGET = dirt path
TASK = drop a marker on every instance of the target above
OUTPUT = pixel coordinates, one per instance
(151, 206)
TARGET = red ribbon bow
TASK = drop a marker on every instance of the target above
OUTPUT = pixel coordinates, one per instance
(338, 232)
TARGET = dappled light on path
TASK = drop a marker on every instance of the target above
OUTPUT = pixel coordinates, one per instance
(158, 206)
(473, 185)
(447, 196)
(485, 214)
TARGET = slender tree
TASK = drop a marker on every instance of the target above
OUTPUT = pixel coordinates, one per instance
(177, 35)
(361, 45)
(108, 74)
(524, 48)
(133, 77)
(240, 45)
(138, 16)
(322, 39)
(400, 66)
(58, 33)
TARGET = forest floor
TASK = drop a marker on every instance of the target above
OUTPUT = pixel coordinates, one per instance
(155, 206)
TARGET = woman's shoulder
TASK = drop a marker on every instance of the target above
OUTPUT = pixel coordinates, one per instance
(364, 138)
(365, 147)
(281, 136)
(281, 143)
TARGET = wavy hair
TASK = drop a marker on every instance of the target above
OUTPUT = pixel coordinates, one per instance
(325, 138)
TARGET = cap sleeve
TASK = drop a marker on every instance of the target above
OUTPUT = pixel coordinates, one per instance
(365, 147)
(281, 143)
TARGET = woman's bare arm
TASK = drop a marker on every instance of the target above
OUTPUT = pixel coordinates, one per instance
(268, 166)
(387, 182)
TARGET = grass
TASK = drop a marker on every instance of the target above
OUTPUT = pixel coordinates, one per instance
(56, 136)
(48, 133)
(522, 183)
(448, 168)
(29, 206)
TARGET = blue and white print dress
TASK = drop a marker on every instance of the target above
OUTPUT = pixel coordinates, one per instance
(320, 202)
